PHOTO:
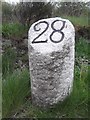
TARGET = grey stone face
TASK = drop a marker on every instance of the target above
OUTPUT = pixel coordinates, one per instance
(52, 62)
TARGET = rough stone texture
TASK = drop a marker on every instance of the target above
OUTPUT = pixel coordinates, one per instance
(51, 64)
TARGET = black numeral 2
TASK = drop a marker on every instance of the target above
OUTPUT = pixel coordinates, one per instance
(54, 31)
(34, 41)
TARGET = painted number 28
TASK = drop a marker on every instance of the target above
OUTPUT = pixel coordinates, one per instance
(51, 35)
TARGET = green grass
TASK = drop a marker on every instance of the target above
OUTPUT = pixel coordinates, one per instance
(8, 61)
(16, 88)
(82, 48)
(79, 21)
(15, 83)
(13, 30)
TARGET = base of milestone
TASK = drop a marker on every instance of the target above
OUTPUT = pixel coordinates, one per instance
(51, 76)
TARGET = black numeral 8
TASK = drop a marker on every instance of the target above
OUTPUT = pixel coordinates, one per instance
(59, 31)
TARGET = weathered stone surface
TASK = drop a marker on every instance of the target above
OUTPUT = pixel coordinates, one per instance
(51, 62)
